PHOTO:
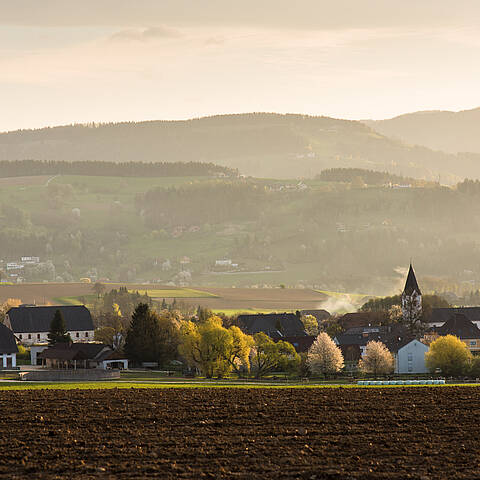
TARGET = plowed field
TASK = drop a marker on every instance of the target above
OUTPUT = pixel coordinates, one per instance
(241, 433)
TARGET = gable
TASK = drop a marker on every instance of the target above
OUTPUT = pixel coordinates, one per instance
(7, 340)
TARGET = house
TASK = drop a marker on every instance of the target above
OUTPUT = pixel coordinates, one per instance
(31, 324)
(439, 316)
(354, 341)
(410, 357)
(81, 355)
(361, 319)
(277, 326)
(459, 326)
(8, 348)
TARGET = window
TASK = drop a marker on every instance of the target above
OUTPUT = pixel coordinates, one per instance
(410, 357)
(473, 342)
(77, 334)
(410, 367)
(38, 336)
(86, 334)
(20, 336)
(29, 336)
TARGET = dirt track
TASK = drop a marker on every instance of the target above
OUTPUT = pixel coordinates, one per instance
(241, 433)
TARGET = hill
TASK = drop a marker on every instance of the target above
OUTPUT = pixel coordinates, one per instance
(440, 130)
(258, 144)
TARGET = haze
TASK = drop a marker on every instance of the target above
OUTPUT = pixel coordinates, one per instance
(67, 62)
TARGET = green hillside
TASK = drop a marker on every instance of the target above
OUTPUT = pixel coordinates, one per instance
(440, 130)
(327, 235)
(258, 144)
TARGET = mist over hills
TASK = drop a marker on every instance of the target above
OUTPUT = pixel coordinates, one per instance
(440, 130)
(258, 144)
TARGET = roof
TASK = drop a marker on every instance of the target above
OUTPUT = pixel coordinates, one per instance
(77, 351)
(275, 325)
(411, 284)
(442, 315)
(361, 319)
(460, 326)
(27, 319)
(393, 336)
(7, 340)
(301, 344)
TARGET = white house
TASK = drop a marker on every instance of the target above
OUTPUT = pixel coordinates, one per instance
(8, 348)
(31, 324)
(410, 358)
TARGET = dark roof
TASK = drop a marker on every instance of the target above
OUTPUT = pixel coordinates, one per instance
(7, 340)
(411, 284)
(393, 336)
(275, 325)
(38, 319)
(77, 351)
(361, 319)
(442, 315)
(460, 326)
(319, 314)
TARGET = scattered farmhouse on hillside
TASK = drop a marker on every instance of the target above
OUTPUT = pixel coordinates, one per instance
(31, 324)
(8, 348)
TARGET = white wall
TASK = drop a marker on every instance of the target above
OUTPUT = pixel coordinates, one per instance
(40, 337)
(4, 359)
(411, 358)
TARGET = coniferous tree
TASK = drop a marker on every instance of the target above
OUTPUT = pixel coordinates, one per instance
(142, 342)
(58, 330)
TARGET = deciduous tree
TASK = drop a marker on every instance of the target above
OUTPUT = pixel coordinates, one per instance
(450, 355)
(324, 357)
(377, 359)
(310, 324)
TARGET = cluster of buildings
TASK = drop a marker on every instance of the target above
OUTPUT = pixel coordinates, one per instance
(15, 271)
(29, 325)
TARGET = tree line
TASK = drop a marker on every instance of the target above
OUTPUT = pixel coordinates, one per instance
(369, 177)
(18, 168)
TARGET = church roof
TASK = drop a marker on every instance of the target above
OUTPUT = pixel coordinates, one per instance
(411, 284)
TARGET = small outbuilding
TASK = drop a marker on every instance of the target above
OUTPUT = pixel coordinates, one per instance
(8, 348)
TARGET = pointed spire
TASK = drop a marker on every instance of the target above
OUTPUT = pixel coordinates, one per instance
(411, 284)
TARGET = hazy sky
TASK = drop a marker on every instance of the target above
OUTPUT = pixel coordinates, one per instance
(68, 61)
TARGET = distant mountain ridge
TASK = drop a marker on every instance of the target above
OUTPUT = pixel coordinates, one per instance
(448, 131)
(258, 144)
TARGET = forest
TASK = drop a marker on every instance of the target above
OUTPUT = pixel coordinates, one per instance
(18, 168)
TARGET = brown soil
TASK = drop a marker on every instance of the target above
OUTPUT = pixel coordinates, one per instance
(395, 433)
(228, 298)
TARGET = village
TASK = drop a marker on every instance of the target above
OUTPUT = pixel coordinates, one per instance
(63, 342)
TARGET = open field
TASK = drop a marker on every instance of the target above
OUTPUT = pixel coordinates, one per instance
(243, 433)
(229, 300)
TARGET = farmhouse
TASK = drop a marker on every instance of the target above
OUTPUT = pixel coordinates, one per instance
(31, 324)
(8, 348)
(81, 355)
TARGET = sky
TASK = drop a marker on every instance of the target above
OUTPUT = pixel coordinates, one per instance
(65, 61)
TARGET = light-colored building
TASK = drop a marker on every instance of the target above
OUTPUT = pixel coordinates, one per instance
(410, 358)
(31, 324)
(8, 348)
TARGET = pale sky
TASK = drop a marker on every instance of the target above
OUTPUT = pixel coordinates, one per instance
(65, 61)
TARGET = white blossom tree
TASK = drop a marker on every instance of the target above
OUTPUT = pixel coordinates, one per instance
(377, 359)
(324, 357)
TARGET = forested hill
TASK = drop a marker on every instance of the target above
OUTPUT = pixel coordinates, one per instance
(440, 130)
(258, 144)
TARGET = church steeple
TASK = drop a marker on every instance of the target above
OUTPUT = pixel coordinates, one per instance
(411, 284)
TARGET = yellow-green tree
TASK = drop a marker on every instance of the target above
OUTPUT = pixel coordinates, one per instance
(268, 355)
(310, 324)
(450, 355)
(214, 349)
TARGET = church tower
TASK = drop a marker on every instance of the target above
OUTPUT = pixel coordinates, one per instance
(411, 299)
